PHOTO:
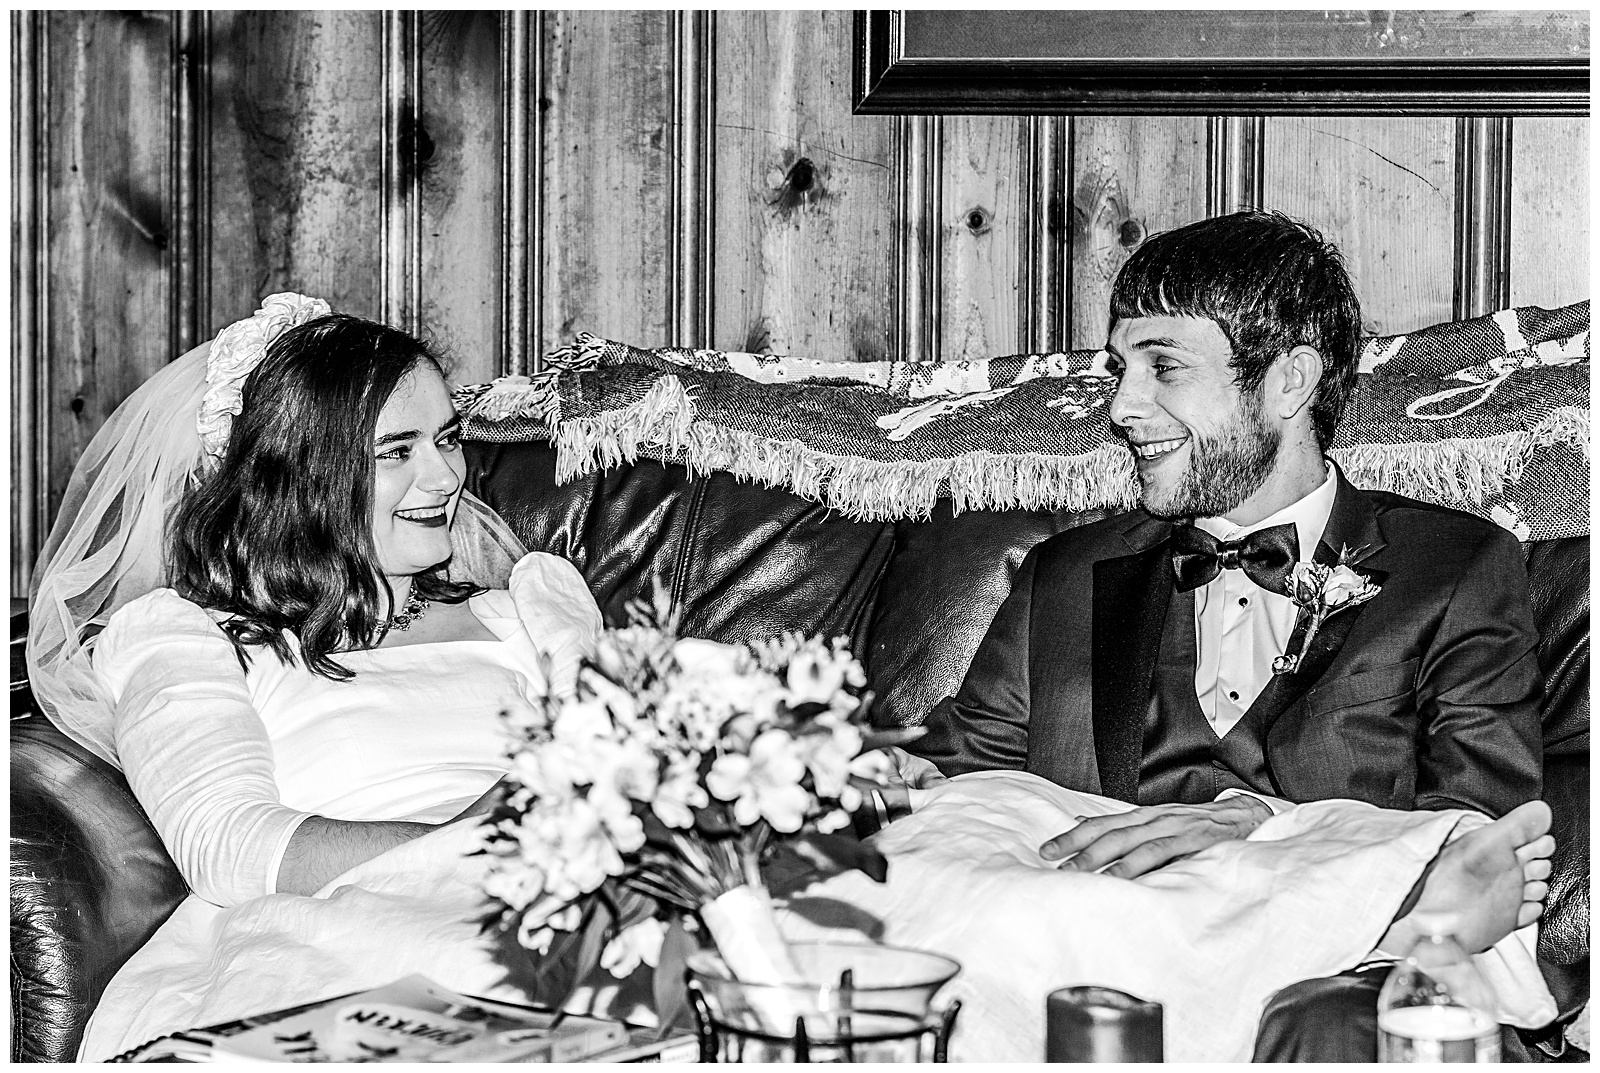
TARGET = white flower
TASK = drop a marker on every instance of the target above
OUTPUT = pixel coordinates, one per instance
(764, 784)
(678, 795)
(608, 655)
(537, 939)
(739, 731)
(715, 683)
(874, 764)
(708, 659)
(586, 854)
(854, 676)
(626, 829)
(538, 842)
(550, 769)
(814, 676)
(829, 755)
(566, 918)
(1343, 585)
(621, 704)
(688, 713)
(1305, 582)
(628, 767)
(578, 721)
(833, 820)
(514, 883)
(552, 911)
(640, 943)
(235, 353)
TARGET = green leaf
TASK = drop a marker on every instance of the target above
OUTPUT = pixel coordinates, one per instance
(671, 996)
(716, 820)
(551, 978)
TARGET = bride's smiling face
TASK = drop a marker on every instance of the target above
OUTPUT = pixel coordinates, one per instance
(418, 472)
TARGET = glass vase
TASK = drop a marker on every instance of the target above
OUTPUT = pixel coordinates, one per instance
(858, 1003)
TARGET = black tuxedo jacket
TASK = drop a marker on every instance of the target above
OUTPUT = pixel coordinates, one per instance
(1425, 696)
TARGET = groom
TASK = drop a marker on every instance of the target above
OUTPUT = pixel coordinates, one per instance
(1139, 657)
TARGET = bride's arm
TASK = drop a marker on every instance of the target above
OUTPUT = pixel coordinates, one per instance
(193, 747)
(198, 758)
(321, 848)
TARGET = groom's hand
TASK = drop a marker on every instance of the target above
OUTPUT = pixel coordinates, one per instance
(1140, 841)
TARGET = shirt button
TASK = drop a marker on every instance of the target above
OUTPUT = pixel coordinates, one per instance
(1233, 695)
(1244, 601)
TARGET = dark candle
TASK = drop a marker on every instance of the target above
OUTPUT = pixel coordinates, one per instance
(1099, 1024)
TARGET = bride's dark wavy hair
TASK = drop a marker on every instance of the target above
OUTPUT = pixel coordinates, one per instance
(278, 534)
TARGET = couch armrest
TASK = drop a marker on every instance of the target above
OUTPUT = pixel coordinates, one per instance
(90, 882)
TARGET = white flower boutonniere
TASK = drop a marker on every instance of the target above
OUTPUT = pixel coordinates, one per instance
(1321, 592)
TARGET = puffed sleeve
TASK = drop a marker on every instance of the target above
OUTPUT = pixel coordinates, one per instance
(558, 611)
(195, 751)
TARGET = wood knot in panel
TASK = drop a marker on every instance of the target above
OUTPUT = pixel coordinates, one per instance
(1107, 227)
(803, 183)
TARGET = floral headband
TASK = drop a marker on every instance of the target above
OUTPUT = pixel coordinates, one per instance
(236, 351)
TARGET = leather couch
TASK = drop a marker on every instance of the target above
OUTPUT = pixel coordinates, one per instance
(90, 880)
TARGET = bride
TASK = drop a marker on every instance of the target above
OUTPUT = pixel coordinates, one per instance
(269, 601)
(245, 607)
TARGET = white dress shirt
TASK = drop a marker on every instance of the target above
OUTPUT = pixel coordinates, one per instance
(1239, 627)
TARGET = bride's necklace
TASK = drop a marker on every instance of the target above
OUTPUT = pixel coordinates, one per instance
(412, 610)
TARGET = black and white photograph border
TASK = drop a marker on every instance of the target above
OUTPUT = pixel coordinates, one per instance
(772, 321)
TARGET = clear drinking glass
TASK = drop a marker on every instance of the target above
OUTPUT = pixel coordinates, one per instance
(860, 1003)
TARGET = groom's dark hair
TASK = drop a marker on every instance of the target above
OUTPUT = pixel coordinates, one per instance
(278, 534)
(1269, 282)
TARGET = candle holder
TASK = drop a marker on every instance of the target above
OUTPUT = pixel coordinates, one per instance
(1101, 1024)
(860, 1003)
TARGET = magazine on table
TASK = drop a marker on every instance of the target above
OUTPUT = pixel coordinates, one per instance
(413, 1020)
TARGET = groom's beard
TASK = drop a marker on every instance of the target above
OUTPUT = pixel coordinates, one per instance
(1225, 467)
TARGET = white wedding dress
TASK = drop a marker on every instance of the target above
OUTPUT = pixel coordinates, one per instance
(227, 763)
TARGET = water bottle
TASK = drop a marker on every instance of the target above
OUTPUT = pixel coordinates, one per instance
(1435, 1007)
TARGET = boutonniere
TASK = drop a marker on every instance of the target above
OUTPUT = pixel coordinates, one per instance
(1322, 592)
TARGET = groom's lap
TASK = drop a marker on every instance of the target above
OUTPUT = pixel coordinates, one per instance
(1331, 1019)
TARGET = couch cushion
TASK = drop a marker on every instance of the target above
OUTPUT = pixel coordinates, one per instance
(947, 579)
(1558, 581)
(1558, 578)
(742, 562)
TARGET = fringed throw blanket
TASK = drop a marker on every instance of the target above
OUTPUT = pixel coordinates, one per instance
(1489, 415)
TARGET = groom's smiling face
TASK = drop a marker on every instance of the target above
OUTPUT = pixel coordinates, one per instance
(1201, 446)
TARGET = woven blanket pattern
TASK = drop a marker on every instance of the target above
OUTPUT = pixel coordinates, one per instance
(1489, 415)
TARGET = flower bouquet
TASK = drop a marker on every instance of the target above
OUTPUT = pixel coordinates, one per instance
(676, 770)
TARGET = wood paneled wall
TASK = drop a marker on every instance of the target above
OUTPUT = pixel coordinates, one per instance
(502, 181)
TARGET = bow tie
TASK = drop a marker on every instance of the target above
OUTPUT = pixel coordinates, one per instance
(1265, 556)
